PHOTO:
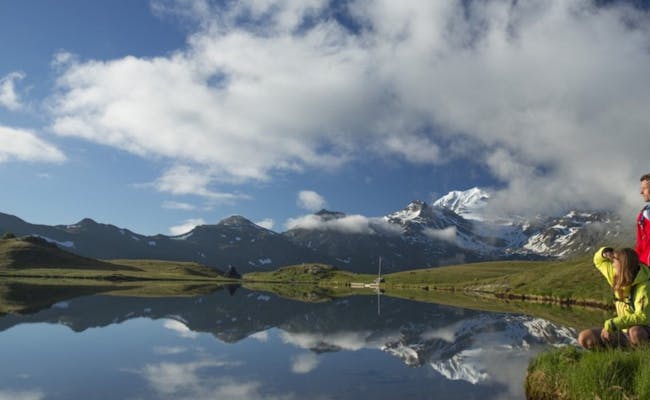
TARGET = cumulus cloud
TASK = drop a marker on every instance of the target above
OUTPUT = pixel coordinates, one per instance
(188, 381)
(310, 200)
(185, 180)
(304, 363)
(346, 224)
(266, 223)
(351, 341)
(550, 95)
(24, 145)
(186, 226)
(8, 96)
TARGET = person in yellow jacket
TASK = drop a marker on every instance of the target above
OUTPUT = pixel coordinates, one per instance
(631, 293)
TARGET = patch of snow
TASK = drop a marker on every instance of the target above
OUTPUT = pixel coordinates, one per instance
(135, 238)
(238, 238)
(263, 298)
(346, 261)
(265, 261)
(62, 305)
(459, 367)
(151, 243)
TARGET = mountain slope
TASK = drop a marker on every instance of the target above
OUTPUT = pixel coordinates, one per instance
(234, 241)
(33, 252)
(454, 229)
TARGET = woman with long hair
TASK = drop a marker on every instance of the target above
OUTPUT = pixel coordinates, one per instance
(631, 293)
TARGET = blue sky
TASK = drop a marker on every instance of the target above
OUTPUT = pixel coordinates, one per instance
(157, 115)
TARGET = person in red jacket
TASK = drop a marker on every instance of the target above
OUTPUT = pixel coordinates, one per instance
(643, 224)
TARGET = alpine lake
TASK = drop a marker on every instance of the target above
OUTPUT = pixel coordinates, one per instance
(232, 342)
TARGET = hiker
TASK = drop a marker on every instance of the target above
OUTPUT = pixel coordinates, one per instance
(643, 223)
(631, 293)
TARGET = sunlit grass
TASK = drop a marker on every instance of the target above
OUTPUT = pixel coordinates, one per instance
(571, 373)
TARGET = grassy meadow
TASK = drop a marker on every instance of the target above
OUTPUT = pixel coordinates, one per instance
(570, 373)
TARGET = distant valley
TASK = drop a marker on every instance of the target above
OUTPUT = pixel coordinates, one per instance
(451, 230)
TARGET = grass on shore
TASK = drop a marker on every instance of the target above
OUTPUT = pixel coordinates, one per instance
(32, 257)
(575, 281)
(566, 282)
(571, 373)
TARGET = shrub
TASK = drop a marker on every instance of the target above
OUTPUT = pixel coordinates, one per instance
(8, 235)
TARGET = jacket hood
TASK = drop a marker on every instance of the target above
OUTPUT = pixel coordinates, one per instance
(642, 276)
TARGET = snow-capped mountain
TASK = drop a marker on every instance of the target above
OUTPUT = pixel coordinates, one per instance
(469, 204)
(459, 352)
(454, 229)
(576, 232)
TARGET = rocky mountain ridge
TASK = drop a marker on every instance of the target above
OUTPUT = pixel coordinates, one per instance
(451, 230)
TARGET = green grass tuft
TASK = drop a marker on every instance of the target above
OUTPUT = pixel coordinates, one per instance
(572, 373)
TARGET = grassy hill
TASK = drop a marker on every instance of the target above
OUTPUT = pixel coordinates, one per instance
(33, 252)
(568, 282)
(31, 257)
(576, 281)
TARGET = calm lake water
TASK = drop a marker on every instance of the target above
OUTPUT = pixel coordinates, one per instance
(254, 345)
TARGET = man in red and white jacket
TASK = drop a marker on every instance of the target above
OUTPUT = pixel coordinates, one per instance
(643, 223)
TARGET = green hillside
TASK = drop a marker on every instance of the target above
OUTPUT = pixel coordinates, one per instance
(569, 282)
(36, 253)
(32, 257)
(574, 281)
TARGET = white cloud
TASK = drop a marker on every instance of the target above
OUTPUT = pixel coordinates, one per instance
(169, 350)
(412, 148)
(310, 200)
(8, 96)
(266, 223)
(304, 363)
(552, 95)
(21, 395)
(176, 205)
(346, 224)
(24, 145)
(180, 328)
(352, 341)
(185, 180)
(188, 381)
(186, 226)
(447, 234)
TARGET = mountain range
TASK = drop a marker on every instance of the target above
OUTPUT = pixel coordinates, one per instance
(453, 229)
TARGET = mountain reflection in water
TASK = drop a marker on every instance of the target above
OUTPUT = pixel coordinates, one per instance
(254, 345)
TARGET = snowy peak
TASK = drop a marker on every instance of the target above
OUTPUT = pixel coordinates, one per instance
(468, 203)
(415, 210)
(236, 221)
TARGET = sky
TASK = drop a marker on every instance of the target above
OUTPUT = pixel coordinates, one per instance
(158, 115)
